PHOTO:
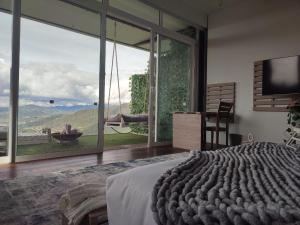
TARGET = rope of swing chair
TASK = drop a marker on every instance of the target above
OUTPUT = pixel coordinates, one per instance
(114, 56)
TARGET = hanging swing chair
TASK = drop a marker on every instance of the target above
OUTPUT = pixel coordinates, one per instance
(120, 120)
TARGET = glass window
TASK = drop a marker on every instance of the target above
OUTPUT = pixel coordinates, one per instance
(5, 64)
(127, 85)
(58, 94)
(173, 82)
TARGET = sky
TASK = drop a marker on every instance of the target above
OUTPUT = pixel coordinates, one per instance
(59, 64)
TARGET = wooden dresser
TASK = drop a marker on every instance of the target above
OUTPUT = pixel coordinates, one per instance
(187, 130)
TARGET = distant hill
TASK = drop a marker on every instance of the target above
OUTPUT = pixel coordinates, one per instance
(74, 108)
(85, 120)
(31, 113)
(3, 109)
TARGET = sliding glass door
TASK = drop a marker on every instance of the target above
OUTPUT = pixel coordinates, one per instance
(173, 84)
(60, 95)
(5, 64)
(58, 91)
(127, 86)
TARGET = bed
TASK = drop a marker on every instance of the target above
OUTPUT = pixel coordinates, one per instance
(249, 184)
(128, 194)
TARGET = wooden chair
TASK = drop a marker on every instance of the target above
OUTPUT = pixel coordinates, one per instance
(224, 114)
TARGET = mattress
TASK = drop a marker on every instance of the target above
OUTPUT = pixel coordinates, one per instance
(129, 194)
(253, 184)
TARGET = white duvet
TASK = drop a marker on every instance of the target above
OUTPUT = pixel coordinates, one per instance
(128, 194)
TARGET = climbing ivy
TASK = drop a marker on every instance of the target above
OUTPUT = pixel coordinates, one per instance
(174, 67)
(293, 118)
(172, 86)
(139, 89)
(139, 93)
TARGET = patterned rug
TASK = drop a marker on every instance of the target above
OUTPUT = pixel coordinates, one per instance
(34, 200)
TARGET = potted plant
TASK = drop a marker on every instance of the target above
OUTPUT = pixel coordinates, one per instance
(293, 116)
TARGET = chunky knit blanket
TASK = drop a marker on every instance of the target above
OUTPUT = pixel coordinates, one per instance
(249, 184)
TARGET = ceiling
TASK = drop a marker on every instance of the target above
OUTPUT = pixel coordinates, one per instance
(79, 19)
(74, 18)
(195, 11)
(208, 6)
(85, 21)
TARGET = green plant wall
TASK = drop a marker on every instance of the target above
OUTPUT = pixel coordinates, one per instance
(173, 80)
(173, 87)
(139, 93)
(139, 100)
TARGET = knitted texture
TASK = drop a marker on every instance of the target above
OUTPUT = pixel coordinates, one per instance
(248, 184)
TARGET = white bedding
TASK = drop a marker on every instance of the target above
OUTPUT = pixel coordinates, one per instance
(128, 194)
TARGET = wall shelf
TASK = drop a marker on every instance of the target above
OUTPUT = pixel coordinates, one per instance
(219, 92)
(268, 103)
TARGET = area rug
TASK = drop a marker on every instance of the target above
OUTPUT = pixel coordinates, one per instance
(33, 200)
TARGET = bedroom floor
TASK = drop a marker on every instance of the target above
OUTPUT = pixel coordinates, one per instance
(53, 165)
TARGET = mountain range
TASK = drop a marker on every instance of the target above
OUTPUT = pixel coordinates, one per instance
(33, 119)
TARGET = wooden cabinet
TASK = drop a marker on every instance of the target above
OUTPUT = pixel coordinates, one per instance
(187, 130)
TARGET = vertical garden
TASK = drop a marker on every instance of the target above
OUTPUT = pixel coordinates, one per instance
(172, 88)
(139, 90)
(173, 84)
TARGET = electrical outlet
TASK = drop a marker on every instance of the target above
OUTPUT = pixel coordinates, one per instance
(250, 137)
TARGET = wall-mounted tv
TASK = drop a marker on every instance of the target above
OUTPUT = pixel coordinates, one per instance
(281, 76)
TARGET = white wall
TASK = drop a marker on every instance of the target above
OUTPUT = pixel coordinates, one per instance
(248, 31)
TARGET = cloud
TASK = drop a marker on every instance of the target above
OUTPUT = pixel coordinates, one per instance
(4, 77)
(63, 81)
(50, 81)
(55, 80)
(4, 101)
(60, 64)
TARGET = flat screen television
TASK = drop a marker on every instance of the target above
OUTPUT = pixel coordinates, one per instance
(281, 76)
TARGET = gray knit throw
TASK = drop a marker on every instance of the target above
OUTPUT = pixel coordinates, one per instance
(249, 184)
